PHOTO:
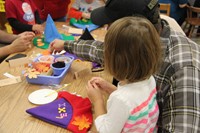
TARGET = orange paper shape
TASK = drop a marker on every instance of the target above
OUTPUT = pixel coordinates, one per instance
(82, 122)
(40, 44)
(41, 67)
(46, 52)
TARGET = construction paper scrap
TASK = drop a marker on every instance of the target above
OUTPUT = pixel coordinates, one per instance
(8, 75)
(75, 31)
(19, 62)
(10, 81)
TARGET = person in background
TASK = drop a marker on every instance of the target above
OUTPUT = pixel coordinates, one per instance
(56, 8)
(178, 78)
(23, 16)
(17, 43)
(178, 9)
(82, 8)
(125, 104)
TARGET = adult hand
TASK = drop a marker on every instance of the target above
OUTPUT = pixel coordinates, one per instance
(103, 84)
(29, 35)
(21, 44)
(56, 46)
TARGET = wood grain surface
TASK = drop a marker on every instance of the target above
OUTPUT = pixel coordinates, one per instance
(14, 98)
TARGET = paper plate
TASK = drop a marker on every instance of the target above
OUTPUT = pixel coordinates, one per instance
(42, 96)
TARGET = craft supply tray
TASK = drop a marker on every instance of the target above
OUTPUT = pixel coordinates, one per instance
(50, 80)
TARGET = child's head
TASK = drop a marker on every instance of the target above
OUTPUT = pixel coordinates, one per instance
(132, 49)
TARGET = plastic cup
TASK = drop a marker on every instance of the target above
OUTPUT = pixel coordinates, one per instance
(58, 68)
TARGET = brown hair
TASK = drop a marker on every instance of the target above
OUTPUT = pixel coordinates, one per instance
(132, 49)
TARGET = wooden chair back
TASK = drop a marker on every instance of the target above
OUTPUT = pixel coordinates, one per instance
(165, 8)
(193, 19)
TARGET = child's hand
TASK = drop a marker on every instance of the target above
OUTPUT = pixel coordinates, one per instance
(103, 84)
(56, 46)
(86, 15)
(94, 93)
(38, 29)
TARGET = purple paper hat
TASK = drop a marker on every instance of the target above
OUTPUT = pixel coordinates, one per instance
(69, 111)
(50, 31)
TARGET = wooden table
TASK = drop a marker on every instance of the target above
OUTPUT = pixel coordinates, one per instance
(14, 98)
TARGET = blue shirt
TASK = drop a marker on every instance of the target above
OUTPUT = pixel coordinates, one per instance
(175, 11)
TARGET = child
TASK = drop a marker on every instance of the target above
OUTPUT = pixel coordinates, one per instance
(132, 55)
(23, 16)
(82, 8)
(56, 8)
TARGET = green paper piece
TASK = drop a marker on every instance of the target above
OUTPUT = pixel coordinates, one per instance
(46, 45)
(80, 21)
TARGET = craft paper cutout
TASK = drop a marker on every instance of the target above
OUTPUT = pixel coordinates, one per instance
(82, 122)
(46, 52)
(19, 62)
(41, 67)
(51, 31)
(46, 45)
(75, 31)
(83, 24)
(9, 81)
(69, 111)
(86, 35)
(31, 73)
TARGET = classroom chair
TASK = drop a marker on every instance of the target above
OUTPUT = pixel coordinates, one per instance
(193, 20)
(165, 9)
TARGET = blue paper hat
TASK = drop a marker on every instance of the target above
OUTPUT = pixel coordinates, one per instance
(50, 31)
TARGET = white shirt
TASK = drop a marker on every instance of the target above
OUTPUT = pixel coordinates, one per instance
(122, 102)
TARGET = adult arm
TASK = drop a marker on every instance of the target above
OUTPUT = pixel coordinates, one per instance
(6, 50)
(86, 49)
(21, 43)
(16, 46)
(7, 38)
(90, 50)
